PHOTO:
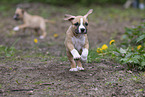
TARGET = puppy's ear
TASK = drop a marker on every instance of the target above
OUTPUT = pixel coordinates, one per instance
(69, 17)
(89, 12)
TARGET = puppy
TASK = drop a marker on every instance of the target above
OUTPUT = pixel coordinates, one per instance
(30, 21)
(76, 41)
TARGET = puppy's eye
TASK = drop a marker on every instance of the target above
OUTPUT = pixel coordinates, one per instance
(76, 24)
(86, 23)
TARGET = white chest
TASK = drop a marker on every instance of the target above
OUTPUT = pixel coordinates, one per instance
(78, 42)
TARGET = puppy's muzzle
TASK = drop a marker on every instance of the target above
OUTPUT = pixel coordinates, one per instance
(16, 17)
(83, 31)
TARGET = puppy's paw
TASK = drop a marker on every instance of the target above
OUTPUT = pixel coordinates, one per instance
(73, 69)
(41, 37)
(80, 68)
(75, 54)
(16, 28)
(84, 55)
(84, 58)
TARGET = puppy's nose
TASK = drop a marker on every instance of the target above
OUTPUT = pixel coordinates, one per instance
(82, 30)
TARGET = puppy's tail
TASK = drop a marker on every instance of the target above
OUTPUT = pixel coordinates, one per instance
(50, 21)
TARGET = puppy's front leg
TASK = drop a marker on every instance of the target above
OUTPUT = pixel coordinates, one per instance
(75, 54)
(84, 54)
(20, 27)
(72, 50)
(73, 63)
(85, 50)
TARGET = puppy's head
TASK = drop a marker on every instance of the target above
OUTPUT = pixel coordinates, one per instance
(18, 14)
(79, 23)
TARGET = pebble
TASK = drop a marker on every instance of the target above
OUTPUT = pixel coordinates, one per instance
(30, 92)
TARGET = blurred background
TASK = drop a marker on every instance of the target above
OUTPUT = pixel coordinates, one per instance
(108, 19)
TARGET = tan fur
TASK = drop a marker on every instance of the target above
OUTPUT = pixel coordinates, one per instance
(68, 40)
(32, 21)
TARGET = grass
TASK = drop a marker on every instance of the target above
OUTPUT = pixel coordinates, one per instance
(8, 51)
(63, 58)
(93, 56)
(0, 86)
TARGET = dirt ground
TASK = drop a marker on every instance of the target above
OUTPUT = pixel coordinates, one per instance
(42, 69)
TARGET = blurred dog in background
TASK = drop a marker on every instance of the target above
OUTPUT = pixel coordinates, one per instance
(31, 21)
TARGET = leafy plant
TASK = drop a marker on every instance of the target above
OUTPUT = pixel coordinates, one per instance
(131, 52)
(134, 36)
(8, 51)
(134, 43)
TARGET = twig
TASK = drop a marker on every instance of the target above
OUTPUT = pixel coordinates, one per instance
(13, 90)
(46, 83)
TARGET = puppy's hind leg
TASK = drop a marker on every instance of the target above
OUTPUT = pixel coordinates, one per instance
(79, 65)
(43, 34)
(43, 29)
(73, 63)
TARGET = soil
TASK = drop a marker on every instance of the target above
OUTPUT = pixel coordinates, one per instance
(42, 69)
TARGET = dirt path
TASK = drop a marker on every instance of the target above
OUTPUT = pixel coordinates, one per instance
(42, 69)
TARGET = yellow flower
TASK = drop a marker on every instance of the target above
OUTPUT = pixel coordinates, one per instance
(111, 42)
(99, 50)
(55, 35)
(104, 47)
(35, 40)
(139, 46)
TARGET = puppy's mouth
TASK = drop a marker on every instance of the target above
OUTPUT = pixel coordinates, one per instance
(16, 19)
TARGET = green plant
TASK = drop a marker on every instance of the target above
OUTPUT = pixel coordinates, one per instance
(8, 51)
(0, 86)
(130, 52)
(63, 58)
(134, 36)
(133, 58)
(133, 53)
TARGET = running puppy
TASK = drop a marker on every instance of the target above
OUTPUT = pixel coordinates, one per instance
(76, 41)
(30, 21)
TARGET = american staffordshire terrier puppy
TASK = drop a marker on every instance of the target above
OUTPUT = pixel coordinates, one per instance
(76, 41)
(30, 21)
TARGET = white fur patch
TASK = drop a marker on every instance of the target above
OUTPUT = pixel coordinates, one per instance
(78, 42)
(73, 69)
(80, 68)
(75, 54)
(16, 28)
(41, 37)
(84, 54)
(81, 25)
